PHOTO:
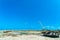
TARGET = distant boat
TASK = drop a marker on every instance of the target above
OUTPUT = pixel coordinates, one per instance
(52, 34)
(49, 33)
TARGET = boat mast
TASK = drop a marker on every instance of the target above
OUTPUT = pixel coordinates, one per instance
(43, 27)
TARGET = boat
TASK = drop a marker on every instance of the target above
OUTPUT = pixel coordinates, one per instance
(51, 34)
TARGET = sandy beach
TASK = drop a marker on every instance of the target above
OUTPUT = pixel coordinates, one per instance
(27, 37)
(16, 35)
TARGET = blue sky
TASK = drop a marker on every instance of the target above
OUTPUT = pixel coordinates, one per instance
(27, 14)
